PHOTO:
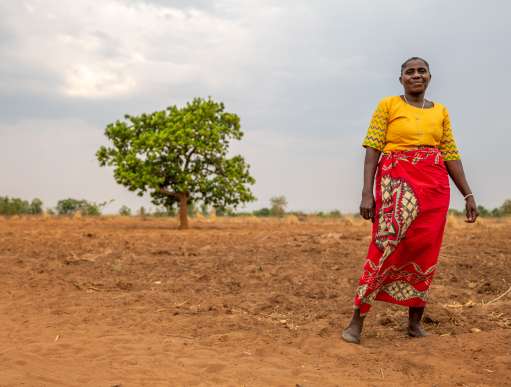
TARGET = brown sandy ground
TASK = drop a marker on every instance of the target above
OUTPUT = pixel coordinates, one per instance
(131, 302)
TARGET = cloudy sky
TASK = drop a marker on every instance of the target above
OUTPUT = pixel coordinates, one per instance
(304, 76)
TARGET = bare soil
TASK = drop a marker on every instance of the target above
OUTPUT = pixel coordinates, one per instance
(239, 302)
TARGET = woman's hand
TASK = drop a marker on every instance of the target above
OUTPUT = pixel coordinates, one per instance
(471, 210)
(370, 165)
(455, 170)
(367, 206)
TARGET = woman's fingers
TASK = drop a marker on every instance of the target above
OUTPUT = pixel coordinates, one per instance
(366, 213)
(367, 207)
(471, 212)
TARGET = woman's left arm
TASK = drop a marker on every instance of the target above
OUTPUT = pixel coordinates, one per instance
(455, 170)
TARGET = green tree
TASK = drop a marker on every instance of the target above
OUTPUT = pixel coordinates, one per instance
(278, 205)
(453, 211)
(496, 212)
(335, 214)
(19, 206)
(505, 208)
(36, 206)
(192, 209)
(164, 212)
(483, 211)
(14, 206)
(70, 206)
(262, 212)
(142, 212)
(224, 211)
(204, 210)
(125, 211)
(180, 156)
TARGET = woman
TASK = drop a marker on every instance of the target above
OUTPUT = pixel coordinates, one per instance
(411, 198)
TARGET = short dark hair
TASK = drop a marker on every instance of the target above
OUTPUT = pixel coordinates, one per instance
(413, 58)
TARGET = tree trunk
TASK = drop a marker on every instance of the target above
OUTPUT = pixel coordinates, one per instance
(183, 210)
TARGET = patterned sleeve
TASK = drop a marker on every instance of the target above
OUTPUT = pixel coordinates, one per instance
(376, 133)
(448, 144)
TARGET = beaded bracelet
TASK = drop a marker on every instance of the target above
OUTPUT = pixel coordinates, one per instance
(468, 195)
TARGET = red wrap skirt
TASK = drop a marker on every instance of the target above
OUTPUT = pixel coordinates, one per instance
(412, 198)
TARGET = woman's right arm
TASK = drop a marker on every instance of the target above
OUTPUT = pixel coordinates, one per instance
(370, 164)
(374, 142)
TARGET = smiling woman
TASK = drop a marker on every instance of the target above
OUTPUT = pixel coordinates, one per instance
(410, 151)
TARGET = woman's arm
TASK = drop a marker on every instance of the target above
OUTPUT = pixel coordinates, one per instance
(370, 164)
(455, 170)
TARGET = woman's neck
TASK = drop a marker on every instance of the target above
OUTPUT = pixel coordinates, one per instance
(417, 98)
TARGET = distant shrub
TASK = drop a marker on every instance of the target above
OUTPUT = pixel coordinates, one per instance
(192, 209)
(262, 212)
(17, 206)
(300, 215)
(125, 211)
(278, 205)
(455, 212)
(483, 211)
(224, 211)
(241, 213)
(36, 206)
(71, 206)
(204, 210)
(505, 208)
(162, 212)
(142, 212)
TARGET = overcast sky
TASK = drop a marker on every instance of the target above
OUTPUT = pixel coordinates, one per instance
(304, 76)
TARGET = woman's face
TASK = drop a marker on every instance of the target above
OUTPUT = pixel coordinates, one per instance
(415, 77)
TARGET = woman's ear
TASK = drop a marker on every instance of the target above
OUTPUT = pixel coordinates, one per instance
(400, 80)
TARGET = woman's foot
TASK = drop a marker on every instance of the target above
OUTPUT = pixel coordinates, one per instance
(417, 331)
(352, 332)
(414, 323)
(351, 335)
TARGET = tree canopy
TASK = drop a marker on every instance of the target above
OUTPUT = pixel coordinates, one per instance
(71, 206)
(17, 206)
(180, 156)
(278, 205)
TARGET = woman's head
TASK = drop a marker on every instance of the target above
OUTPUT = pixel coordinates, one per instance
(415, 75)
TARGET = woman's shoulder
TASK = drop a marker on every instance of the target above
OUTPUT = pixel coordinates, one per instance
(388, 101)
(436, 103)
(439, 106)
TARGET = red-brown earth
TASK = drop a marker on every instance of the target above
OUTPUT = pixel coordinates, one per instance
(239, 302)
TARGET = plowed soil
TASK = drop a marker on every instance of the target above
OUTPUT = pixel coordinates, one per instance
(239, 302)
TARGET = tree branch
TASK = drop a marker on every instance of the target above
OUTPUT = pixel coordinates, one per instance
(188, 158)
(169, 193)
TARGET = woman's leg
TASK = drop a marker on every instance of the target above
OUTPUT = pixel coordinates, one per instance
(352, 332)
(414, 322)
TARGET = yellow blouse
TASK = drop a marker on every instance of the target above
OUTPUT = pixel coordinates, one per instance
(396, 126)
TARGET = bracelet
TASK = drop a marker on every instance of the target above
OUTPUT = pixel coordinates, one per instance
(468, 195)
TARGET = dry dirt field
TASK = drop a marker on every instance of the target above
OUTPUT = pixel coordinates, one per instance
(239, 302)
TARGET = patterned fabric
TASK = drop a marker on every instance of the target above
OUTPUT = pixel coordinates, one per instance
(398, 126)
(412, 198)
(377, 131)
(447, 144)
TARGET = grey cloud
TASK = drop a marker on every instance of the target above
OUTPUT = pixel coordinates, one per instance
(309, 71)
(208, 5)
